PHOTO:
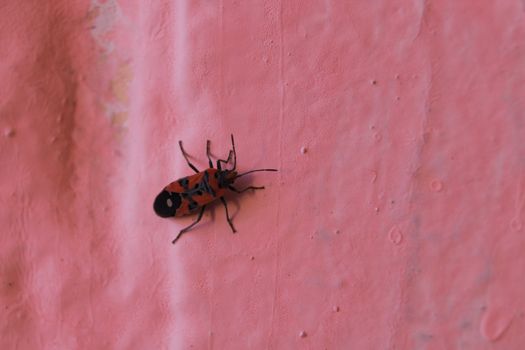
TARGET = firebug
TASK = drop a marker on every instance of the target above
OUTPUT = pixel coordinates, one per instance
(193, 193)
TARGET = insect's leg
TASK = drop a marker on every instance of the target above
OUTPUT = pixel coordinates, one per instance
(224, 161)
(186, 157)
(208, 153)
(228, 215)
(186, 229)
(234, 154)
(246, 189)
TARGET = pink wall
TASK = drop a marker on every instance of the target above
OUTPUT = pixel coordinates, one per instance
(400, 227)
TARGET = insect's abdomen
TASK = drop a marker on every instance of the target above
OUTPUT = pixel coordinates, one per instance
(196, 191)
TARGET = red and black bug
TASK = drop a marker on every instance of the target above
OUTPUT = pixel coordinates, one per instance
(192, 193)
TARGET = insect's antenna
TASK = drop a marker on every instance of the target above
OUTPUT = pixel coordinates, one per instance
(252, 171)
(234, 154)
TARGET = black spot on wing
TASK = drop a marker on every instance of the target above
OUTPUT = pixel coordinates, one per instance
(206, 184)
(184, 182)
(193, 205)
(166, 203)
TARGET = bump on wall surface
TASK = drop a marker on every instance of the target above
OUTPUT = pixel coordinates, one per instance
(395, 220)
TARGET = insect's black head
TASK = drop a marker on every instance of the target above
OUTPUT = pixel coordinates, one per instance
(166, 204)
(226, 177)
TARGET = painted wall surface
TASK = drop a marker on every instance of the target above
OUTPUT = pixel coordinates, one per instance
(396, 220)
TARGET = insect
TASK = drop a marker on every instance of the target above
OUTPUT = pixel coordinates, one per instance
(193, 193)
